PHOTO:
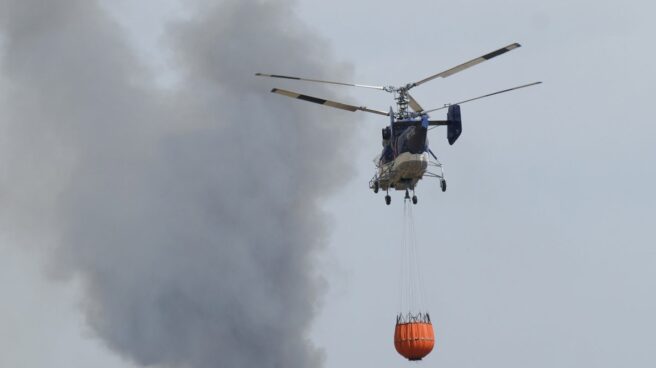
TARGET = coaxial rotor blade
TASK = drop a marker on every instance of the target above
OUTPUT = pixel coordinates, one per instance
(468, 64)
(487, 95)
(321, 101)
(318, 81)
(414, 105)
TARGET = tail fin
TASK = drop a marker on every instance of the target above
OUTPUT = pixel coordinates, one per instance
(454, 124)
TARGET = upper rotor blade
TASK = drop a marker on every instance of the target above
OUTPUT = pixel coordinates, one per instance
(414, 105)
(487, 95)
(468, 64)
(318, 81)
(321, 101)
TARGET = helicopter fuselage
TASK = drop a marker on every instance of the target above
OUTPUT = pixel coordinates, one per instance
(404, 160)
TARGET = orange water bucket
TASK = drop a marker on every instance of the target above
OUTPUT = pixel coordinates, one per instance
(414, 340)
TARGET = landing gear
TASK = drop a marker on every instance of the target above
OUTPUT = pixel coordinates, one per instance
(414, 197)
(376, 186)
(388, 199)
(443, 185)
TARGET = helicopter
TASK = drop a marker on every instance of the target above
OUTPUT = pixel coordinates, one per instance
(406, 158)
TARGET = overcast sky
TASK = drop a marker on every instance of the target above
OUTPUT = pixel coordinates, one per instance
(540, 253)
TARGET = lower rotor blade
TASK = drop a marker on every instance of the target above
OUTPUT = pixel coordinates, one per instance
(321, 101)
(414, 105)
(487, 95)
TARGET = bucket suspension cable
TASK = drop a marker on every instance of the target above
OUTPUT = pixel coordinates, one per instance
(412, 283)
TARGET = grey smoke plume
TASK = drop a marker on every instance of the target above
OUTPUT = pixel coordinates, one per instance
(190, 216)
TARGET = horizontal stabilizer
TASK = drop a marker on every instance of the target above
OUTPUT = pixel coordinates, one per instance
(407, 123)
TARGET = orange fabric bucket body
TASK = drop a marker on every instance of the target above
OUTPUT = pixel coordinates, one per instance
(414, 340)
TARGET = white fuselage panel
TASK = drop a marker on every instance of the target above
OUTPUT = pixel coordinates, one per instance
(404, 172)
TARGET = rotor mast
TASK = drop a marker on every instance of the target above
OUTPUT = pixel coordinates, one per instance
(402, 102)
(401, 97)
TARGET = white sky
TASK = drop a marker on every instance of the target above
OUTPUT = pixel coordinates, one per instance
(541, 252)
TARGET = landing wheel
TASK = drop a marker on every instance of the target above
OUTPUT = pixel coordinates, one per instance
(443, 185)
(376, 187)
(414, 199)
(388, 199)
